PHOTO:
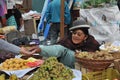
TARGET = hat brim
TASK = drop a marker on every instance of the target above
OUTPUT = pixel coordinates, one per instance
(79, 27)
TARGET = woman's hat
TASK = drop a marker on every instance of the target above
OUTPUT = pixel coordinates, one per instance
(79, 24)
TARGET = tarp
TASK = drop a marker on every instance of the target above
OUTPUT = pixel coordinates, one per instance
(105, 23)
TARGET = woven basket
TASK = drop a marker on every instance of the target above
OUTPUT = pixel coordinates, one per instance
(116, 55)
(117, 64)
(95, 65)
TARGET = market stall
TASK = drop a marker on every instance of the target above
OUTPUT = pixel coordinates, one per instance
(99, 65)
(37, 69)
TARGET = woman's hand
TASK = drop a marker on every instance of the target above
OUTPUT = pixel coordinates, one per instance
(26, 52)
(2, 36)
(30, 51)
(36, 16)
(35, 48)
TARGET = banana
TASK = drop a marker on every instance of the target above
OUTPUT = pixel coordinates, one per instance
(31, 59)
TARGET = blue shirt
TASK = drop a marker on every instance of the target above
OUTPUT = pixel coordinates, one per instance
(53, 12)
(65, 55)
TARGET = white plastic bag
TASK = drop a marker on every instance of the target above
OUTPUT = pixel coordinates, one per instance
(104, 23)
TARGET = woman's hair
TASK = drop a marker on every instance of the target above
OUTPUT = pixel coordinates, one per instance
(85, 30)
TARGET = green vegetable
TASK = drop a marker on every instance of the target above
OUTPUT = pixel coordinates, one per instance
(52, 70)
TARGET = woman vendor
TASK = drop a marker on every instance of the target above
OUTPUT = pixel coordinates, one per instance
(64, 50)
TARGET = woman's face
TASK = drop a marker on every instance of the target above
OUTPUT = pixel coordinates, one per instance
(78, 36)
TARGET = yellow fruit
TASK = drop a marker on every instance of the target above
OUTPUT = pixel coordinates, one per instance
(31, 59)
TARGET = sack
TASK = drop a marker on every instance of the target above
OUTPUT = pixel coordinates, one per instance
(104, 23)
(8, 29)
(11, 21)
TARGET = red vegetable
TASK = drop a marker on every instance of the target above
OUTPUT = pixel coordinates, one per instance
(35, 64)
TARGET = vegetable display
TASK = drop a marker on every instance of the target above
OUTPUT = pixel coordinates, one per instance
(98, 55)
(14, 64)
(51, 69)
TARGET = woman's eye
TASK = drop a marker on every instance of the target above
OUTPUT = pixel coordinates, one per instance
(78, 34)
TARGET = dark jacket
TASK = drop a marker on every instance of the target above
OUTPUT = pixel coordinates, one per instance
(90, 44)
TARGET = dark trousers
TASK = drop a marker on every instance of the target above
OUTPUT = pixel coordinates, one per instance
(54, 32)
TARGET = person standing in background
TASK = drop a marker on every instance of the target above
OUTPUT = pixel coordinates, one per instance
(3, 11)
(53, 17)
(17, 14)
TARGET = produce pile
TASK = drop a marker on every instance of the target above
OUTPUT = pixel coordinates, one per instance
(19, 63)
(110, 47)
(98, 55)
(95, 61)
(14, 64)
(51, 69)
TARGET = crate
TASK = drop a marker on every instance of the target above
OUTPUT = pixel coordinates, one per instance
(30, 27)
(117, 64)
(108, 74)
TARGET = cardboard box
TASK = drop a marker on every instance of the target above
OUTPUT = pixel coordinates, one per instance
(30, 27)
